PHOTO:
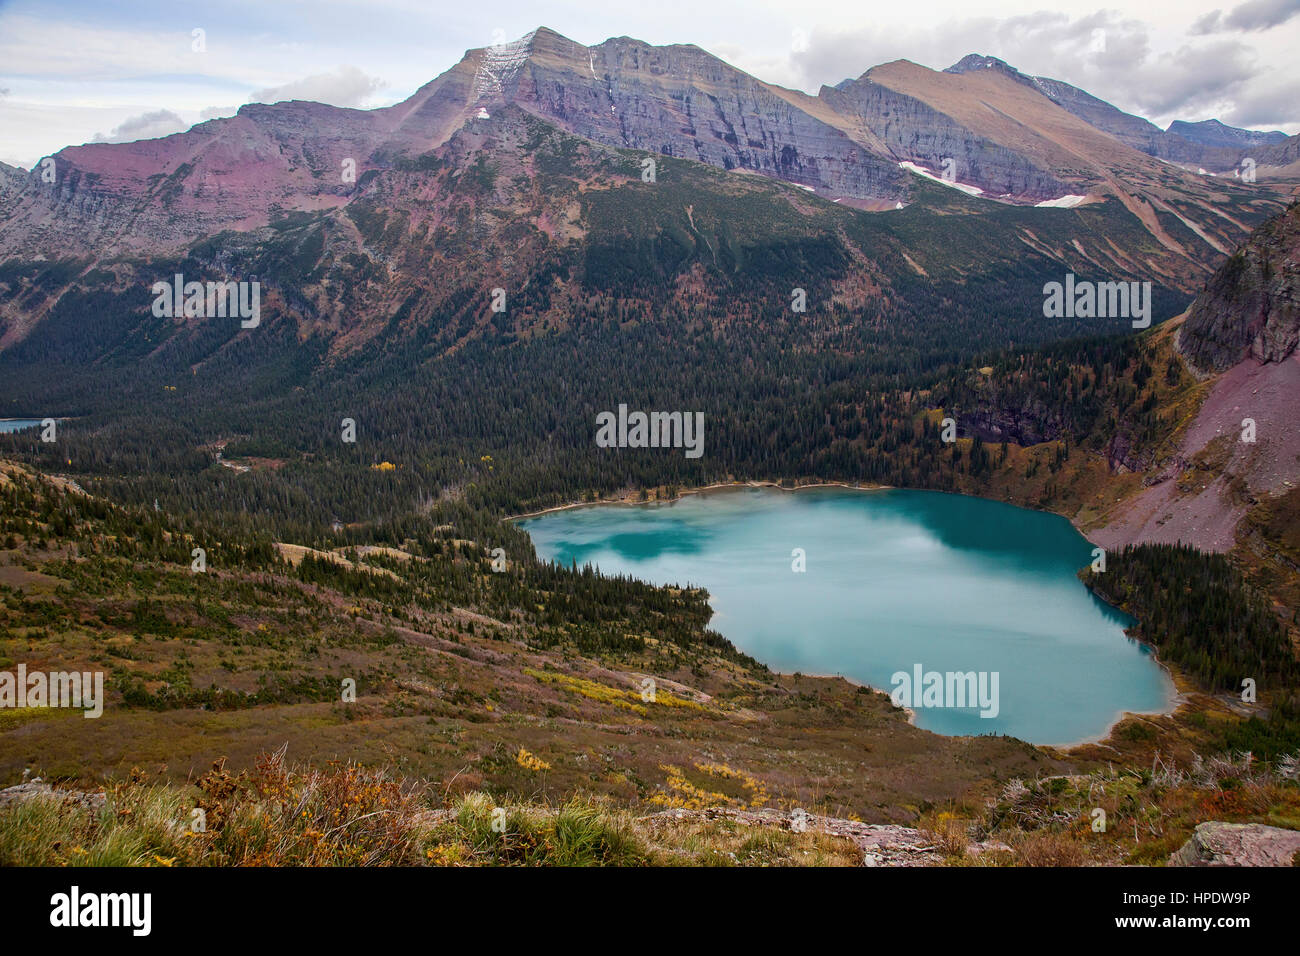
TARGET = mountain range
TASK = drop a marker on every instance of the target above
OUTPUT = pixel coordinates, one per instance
(980, 123)
(524, 168)
(612, 194)
(846, 287)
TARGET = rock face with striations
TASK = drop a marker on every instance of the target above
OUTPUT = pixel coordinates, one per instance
(1238, 844)
(681, 101)
(231, 172)
(1251, 306)
(1283, 154)
(225, 173)
(913, 130)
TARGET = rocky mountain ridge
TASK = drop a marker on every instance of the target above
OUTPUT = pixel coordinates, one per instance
(1213, 133)
(1251, 306)
(1240, 447)
(1209, 143)
(999, 134)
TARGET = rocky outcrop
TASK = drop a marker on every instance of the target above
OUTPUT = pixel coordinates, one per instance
(1239, 844)
(1124, 455)
(1251, 306)
(11, 182)
(1029, 424)
(1242, 332)
(38, 790)
(972, 62)
(882, 844)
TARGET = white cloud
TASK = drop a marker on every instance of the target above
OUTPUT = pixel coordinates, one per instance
(1192, 79)
(1034, 43)
(1266, 106)
(1212, 22)
(1262, 14)
(217, 112)
(145, 126)
(346, 86)
(1110, 56)
(1254, 16)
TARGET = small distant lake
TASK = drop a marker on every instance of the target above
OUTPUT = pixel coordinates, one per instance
(894, 579)
(18, 424)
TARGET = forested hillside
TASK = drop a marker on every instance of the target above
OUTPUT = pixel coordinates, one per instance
(676, 294)
(486, 670)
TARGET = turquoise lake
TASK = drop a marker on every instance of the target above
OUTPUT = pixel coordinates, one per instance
(894, 579)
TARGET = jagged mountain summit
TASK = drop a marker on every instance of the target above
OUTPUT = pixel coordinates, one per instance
(1213, 133)
(981, 125)
(1209, 144)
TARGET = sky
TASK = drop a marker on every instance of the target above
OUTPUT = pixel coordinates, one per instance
(77, 71)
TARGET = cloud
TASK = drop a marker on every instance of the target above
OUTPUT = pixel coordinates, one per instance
(1044, 43)
(1194, 79)
(1104, 53)
(1212, 22)
(217, 112)
(346, 86)
(1254, 16)
(1262, 14)
(1272, 107)
(145, 126)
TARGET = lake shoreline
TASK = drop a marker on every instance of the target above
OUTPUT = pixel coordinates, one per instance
(1180, 698)
(1169, 706)
(629, 498)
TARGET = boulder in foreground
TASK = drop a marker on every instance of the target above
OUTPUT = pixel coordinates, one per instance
(1238, 844)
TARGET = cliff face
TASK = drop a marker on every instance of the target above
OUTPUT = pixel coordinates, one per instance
(1282, 157)
(1242, 446)
(1029, 423)
(1251, 306)
(913, 130)
(681, 101)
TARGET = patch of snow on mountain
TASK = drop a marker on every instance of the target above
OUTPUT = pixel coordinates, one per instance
(1062, 202)
(922, 171)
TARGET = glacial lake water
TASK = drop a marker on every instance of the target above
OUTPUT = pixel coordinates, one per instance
(894, 579)
(18, 424)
